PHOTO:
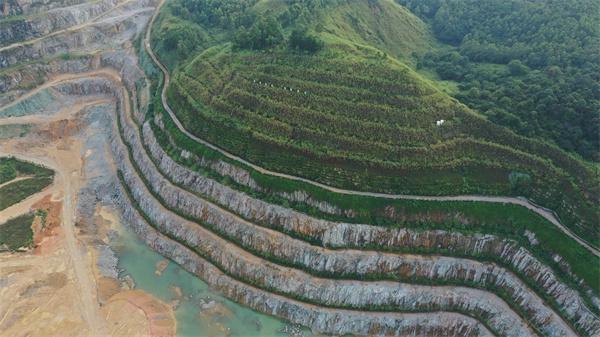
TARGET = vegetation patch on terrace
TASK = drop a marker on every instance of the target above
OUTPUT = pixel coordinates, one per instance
(17, 233)
(34, 179)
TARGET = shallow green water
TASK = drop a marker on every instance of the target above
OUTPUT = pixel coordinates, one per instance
(223, 318)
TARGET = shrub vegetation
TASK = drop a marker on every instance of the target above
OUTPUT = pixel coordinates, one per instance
(17, 233)
(37, 178)
(353, 113)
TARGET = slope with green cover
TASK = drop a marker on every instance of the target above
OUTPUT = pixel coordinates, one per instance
(530, 65)
(16, 233)
(28, 180)
(351, 113)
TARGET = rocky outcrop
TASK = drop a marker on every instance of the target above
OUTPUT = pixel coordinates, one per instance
(112, 31)
(342, 235)
(26, 28)
(297, 252)
(297, 284)
(28, 7)
(320, 320)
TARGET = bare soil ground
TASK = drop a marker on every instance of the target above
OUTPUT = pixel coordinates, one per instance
(55, 289)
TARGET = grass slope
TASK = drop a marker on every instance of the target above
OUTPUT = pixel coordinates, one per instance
(373, 125)
(367, 121)
(11, 168)
(15, 192)
(17, 233)
(380, 24)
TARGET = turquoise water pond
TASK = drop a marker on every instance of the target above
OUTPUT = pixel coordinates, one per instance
(200, 311)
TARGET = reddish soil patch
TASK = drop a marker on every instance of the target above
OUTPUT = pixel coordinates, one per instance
(45, 236)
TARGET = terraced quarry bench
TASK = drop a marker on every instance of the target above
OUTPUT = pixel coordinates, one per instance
(334, 262)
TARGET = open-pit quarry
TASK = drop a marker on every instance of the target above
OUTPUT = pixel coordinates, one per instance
(81, 94)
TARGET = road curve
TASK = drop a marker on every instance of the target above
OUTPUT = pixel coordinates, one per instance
(544, 212)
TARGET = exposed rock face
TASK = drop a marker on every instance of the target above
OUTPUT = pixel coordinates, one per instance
(111, 30)
(36, 74)
(299, 253)
(325, 207)
(339, 235)
(295, 283)
(27, 7)
(38, 25)
(243, 177)
(505, 250)
(269, 268)
(116, 23)
(321, 320)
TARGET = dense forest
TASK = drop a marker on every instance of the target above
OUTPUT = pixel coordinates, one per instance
(530, 65)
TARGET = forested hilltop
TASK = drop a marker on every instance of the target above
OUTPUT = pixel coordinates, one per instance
(533, 66)
(329, 91)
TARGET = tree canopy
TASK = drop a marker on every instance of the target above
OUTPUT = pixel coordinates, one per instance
(300, 39)
(551, 50)
(266, 32)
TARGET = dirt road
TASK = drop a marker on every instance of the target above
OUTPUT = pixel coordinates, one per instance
(40, 119)
(25, 205)
(65, 157)
(15, 180)
(67, 164)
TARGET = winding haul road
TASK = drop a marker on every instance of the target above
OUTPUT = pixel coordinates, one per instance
(544, 212)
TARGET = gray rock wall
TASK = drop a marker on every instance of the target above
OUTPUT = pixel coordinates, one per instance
(105, 33)
(320, 320)
(28, 7)
(292, 282)
(277, 244)
(54, 20)
(341, 235)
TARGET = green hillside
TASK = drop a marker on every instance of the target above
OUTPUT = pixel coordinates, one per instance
(328, 92)
(381, 24)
